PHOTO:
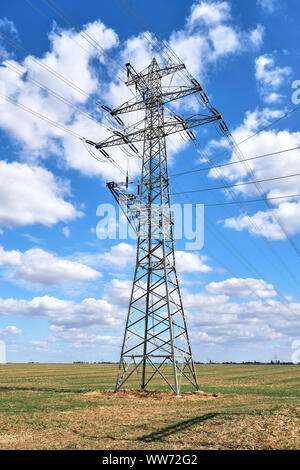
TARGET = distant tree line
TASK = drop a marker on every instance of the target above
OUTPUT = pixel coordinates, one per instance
(272, 362)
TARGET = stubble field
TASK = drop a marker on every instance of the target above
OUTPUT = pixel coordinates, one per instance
(72, 406)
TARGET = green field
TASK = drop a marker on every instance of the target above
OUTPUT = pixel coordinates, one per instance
(72, 406)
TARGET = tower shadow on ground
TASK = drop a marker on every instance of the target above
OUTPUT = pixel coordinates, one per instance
(177, 427)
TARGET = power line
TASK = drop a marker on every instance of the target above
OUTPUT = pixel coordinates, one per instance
(285, 115)
(63, 128)
(44, 118)
(233, 250)
(164, 46)
(51, 92)
(234, 163)
(47, 119)
(234, 147)
(260, 190)
(38, 10)
(67, 19)
(253, 223)
(245, 139)
(237, 184)
(15, 45)
(199, 170)
(290, 196)
(70, 22)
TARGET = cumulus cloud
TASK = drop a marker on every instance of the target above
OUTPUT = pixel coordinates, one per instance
(118, 292)
(119, 256)
(211, 35)
(66, 68)
(10, 331)
(208, 13)
(243, 288)
(270, 77)
(256, 36)
(39, 266)
(225, 312)
(265, 222)
(76, 338)
(11, 258)
(90, 312)
(188, 262)
(225, 40)
(30, 194)
(220, 319)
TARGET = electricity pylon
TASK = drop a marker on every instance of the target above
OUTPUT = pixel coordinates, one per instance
(156, 340)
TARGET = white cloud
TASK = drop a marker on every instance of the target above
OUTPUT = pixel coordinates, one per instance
(123, 254)
(138, 51)
(243, 288)
(211, 35)
(268, 5)
(225, 40)
(118, 292)
(266, 222)
(30, 195)
(192, 50)
(66, 231)
(118, 256)
(13, 330)
(8, 25)
(187, 262)
(71, 57)
(213, 316)
(76, 338)
(39, 266)
(270, 77)
(268, 73)
(256, 36)
(90, 312)
(12, 258)
(232, 322)
(10, 330)
(272, 97)
(208, 13)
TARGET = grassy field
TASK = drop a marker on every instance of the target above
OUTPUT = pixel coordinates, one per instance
(71, 406)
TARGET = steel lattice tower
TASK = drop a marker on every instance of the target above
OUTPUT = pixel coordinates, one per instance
(156, 340)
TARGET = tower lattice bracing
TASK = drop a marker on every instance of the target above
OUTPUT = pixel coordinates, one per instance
(156, 341)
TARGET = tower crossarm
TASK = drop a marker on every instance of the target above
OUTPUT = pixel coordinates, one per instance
(169, 126)
(137, 104)
(140, 79)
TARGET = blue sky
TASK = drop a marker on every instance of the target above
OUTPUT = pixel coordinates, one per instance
(64, 292)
